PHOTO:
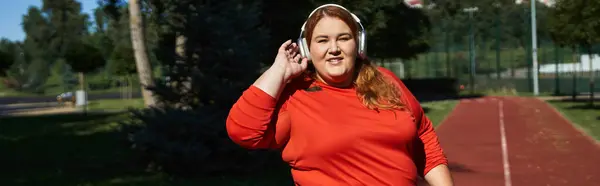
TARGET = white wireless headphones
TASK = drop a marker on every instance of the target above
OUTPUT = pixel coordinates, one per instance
(362, 40)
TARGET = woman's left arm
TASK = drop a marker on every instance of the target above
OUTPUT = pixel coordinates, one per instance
(439, 176)
(428, 154)
(432, 158)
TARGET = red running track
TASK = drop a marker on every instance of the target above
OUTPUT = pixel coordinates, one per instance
(541, 147)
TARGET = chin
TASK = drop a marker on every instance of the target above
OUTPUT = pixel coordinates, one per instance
(337, 72)
(338, 75)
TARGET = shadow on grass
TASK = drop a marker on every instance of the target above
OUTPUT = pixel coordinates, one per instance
(78, 149)
(586, 107)
(426, 109)
(577, 99)
(579, 103)
(68, 149)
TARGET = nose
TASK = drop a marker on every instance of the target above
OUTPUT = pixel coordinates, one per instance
(333, 48)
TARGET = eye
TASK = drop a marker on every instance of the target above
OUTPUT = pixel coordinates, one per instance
(344, 38)
(321, 40)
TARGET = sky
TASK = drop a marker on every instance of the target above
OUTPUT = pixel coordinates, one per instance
(12, 11)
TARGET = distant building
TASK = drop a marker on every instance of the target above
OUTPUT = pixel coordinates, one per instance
(414, 3)
(546, 2)
(583, 66)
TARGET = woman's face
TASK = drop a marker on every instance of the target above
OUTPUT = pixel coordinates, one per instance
(333, 51)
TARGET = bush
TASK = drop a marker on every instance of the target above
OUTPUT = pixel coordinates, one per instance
(190, 143)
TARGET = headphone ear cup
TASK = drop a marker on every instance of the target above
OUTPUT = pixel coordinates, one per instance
(304, 48)
(362, 44)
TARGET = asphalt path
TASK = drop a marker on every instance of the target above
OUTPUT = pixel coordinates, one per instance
(7, 100)
(25, 107)
(20, 104)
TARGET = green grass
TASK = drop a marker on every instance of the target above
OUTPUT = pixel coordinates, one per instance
(581, 114)
(438, 110)
(73, 149)
(115, 104)
(77, 150)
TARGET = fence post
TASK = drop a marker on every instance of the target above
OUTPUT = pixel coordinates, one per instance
(574, 88)
(447, 48)
(556, 74)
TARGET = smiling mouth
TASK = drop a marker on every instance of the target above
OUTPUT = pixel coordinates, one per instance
(335, 60)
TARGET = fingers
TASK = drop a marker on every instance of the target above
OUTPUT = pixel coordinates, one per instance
(285, 45)
(304, 63)
(297, 58)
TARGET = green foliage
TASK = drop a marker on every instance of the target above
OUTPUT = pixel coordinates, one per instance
(393, 29)
(220, 57)
(7, 55)
(56, 29)
(64, 75)
(576, 23)
(115, 37)
(122, 61)
(84, 58)
(68, 25)
(397, 31)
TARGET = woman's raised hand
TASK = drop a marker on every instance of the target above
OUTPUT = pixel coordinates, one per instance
(289, 61)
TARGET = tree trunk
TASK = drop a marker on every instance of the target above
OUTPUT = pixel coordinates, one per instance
(180, 50)
(81, 81)
(139, 47)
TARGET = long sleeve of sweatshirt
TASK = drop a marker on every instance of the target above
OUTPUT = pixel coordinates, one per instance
(258, 121)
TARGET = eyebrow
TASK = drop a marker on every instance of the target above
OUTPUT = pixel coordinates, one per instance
(325, 36)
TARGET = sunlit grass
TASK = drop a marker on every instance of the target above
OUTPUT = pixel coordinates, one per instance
(580, 113)
(115, 104)
(438, 110)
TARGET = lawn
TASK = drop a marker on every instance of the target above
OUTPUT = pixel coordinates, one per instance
(438, 110)
(115, 104)
(73, 149)
(581, 114)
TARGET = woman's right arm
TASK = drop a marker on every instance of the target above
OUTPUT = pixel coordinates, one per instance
(258, 119)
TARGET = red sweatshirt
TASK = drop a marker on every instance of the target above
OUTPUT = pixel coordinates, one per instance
(329, 137)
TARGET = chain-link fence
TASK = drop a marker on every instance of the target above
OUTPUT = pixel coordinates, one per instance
(494, 53)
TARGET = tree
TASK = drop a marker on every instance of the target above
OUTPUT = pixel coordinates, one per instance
(393, 29)
(7, 55)
(84, 58)
(222, 45)
(397, 31)
(122, 63)
(36, 54)
(68, 25)
(577, 24)
(138, 41)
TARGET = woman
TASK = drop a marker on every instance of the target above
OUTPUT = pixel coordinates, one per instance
(339, 120)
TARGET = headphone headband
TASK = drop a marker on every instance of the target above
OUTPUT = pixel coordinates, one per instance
(362, 35)
(336, 5)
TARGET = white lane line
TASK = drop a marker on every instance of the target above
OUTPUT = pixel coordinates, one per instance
(507, 181)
